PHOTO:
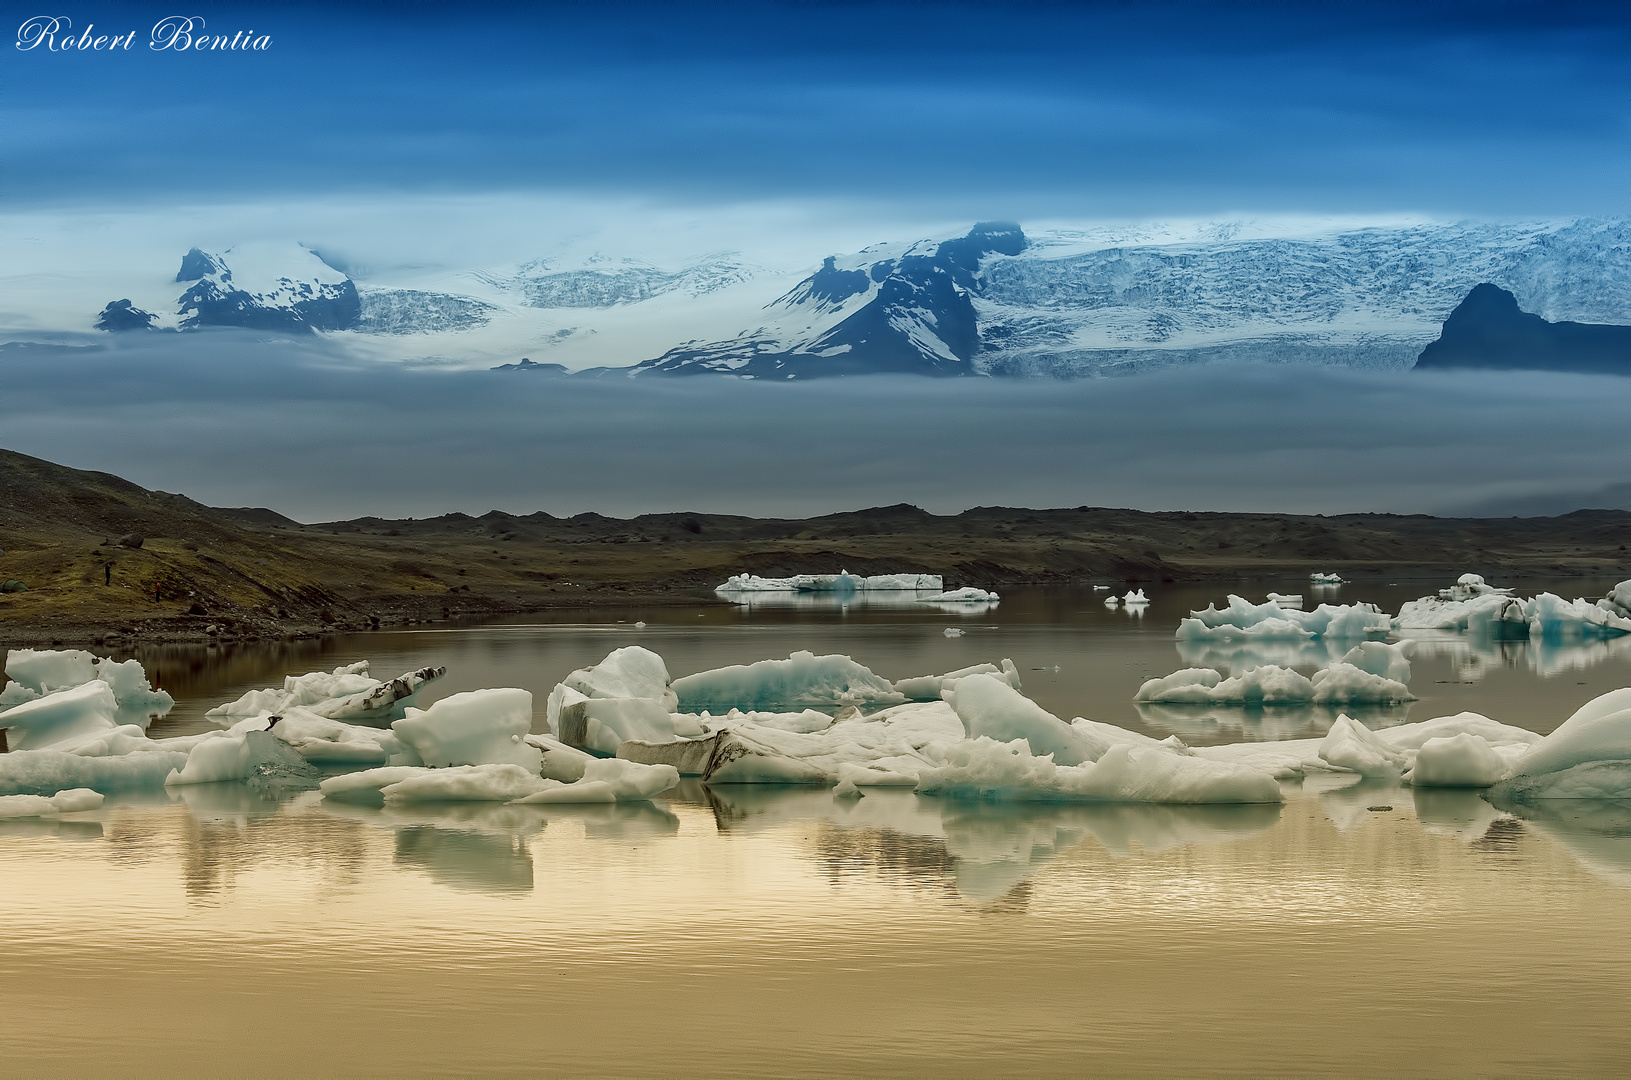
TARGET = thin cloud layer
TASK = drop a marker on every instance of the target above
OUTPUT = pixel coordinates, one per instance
(231, 419)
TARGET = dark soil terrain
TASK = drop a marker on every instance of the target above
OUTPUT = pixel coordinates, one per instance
(203, 572)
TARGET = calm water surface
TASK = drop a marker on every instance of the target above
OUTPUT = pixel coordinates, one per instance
(744, 931)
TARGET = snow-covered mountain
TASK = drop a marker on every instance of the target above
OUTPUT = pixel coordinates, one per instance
(907, 312)
(264, 286)
(996, 301)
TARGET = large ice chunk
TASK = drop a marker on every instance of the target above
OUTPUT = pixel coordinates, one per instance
(988, 769)
(990, 708)
(600, 724)
(39, 673)
(322, 740)
(1351, 745)
(1553, 617)
(478, 727)
(630, 672)
(1600, 730)
(1464, 760)
(465, 783)
(628, 781)
(930, 687)
(46, 670)
(1241, 620)
(250, 755)
(45, 771)
(61, 714)
(802, 679)
(1345, 684)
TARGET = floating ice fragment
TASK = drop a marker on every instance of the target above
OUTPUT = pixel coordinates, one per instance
(801, 679)
(70, 801)
(966, 595)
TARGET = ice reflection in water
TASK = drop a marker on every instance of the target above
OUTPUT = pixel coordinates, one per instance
(1476, 655)
(1596, 832)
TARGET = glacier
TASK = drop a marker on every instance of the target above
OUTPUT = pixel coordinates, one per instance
(995, 301)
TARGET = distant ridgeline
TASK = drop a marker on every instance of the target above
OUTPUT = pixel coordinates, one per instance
(1489, 330)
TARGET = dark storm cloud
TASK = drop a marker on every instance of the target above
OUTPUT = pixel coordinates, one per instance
(231, 420)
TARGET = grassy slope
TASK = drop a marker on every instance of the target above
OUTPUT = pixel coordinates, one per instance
(256, 573)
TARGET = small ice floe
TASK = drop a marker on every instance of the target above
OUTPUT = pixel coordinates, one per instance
(71, 801)
(1135, 596)
(1287, 600)
(953, 631)
(966, 595)
(1112, 601)
(1321, 578)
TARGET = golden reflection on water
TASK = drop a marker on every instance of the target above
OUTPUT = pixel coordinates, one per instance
(744, 931)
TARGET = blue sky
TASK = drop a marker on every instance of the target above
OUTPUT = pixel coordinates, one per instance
(965, 110)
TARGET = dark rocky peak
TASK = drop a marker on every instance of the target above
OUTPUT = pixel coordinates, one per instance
(1489, 330)
(197, 264)
(122, 315)
(986, 238)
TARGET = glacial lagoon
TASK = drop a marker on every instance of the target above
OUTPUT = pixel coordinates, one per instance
(1361, 928)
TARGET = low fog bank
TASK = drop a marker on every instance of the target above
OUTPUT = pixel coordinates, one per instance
(232, 420)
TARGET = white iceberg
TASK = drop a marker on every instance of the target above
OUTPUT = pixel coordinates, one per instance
(1321, 578)
(1242, 620)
